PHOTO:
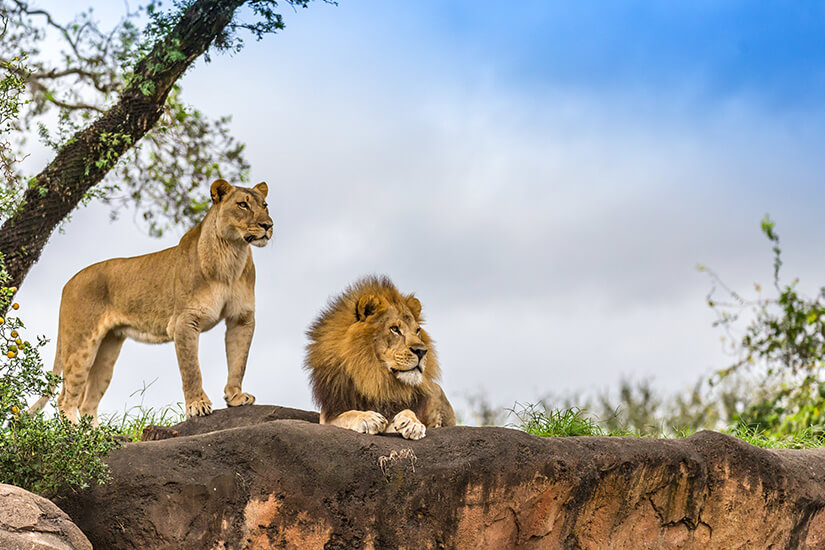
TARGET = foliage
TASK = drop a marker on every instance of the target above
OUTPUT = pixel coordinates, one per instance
(544, 422)
(565, 422)
(13, 74)
(165, 176)
(38, 453)
(783, 344)
(131, 422)
(481, 412)
(46, 455)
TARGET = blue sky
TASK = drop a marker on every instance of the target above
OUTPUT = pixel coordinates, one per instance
(545, 176)
(774, 52)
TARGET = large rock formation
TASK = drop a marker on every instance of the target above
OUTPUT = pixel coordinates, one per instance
(30, 522)
(295, 484)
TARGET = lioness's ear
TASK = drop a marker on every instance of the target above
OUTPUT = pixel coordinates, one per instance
(369, 305)
(262, 188)
(219, 190)
(415, 306)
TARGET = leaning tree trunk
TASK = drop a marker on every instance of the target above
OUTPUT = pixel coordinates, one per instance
(89, 155)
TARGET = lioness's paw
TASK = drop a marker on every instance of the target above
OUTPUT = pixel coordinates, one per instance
(369, 422)
(408, 426)
(200, 407)
(238, 399)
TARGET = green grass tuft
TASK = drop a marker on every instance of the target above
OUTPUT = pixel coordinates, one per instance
(131, 422)
(543, 422)
(536, 420)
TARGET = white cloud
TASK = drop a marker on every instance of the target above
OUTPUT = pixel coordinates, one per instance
(551, 234)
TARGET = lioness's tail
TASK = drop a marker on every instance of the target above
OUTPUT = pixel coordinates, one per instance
(56, 370)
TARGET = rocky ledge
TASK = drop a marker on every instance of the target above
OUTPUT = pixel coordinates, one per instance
(269, 477)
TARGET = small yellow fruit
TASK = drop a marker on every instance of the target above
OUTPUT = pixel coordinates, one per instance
(14, 409)
(13, 289)
(2, 320)
(15, 306)
(14, 334)
(10, 355)
(12, 348)
(19, 343)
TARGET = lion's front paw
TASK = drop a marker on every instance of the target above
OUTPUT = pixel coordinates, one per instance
(368, 422)
(407, 424)
(199, 407)
(238, 399)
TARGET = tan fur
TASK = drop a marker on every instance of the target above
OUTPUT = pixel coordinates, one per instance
(170, 295)
(370, 360)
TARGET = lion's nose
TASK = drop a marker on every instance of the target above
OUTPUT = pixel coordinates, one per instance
(266, 226)
(420, 352)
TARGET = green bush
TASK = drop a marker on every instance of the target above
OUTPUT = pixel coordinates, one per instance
(38, 453)
(783, 345)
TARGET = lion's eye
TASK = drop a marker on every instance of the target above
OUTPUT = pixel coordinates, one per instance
(243, 205)
(395, 330)
(266, 205)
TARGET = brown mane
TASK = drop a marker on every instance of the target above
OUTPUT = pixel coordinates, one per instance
(344, 371)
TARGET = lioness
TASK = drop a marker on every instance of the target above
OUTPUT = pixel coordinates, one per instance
(370, 360)
(174, 294)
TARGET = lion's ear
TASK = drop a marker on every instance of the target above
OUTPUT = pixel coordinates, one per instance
(415, 306)
(262, 188)
(369, 305)
(219, 190)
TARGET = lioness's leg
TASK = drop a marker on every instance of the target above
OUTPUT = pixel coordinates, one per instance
(365, 422)
(238, 339)
(77, 357)
(407, 424)
(100, 374)
(186, 347)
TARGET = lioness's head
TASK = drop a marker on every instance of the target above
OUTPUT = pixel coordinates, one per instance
(242, 213)
(370, 339)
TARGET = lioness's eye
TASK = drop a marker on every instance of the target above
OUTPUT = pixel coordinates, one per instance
(243, 205)
(395, 330)
(266, 205)
(418, 330)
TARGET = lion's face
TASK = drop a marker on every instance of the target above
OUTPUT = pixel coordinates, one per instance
(400, 343)
(242, 213)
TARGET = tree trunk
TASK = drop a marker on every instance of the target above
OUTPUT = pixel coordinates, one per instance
(88, 156)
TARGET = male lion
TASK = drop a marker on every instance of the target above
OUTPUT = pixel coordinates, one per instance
(174, 294)
(370, 360)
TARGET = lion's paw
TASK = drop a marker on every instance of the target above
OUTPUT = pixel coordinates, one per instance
(369, 422)
(407, 424)
(238, 399)
(200, 407)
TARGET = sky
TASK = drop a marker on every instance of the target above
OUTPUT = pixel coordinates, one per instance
(544, 176)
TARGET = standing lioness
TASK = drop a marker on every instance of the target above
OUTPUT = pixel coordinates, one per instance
(174, 294)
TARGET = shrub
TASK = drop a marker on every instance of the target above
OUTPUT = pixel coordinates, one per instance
(38, 453)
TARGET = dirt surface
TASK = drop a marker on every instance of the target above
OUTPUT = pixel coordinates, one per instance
(246, 479)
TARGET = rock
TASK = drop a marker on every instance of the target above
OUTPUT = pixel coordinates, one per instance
(30, 522)
(295, 484)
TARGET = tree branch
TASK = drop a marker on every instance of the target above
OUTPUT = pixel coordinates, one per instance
(91, 153)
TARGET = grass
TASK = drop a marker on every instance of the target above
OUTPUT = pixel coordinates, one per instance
(131, 422)
(537, 420)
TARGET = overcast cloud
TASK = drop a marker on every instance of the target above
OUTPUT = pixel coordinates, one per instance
(549, 217)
